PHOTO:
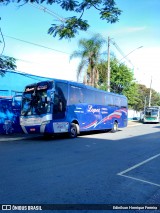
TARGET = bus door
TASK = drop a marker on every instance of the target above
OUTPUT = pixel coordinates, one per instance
(60, 100)
(77, 105)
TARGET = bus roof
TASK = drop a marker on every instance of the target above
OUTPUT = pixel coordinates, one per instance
(153, 107)
(73, 83)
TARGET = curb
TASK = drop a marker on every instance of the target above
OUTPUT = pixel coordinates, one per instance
(16, 137)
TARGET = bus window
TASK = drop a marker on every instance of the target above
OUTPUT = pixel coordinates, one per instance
(76, 95)
(123, 103)
(103, 99)
(90, 97)
(100, 98)
(109, 100)
(116, 101)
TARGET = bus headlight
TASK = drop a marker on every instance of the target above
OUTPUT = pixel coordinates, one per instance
(45, 122)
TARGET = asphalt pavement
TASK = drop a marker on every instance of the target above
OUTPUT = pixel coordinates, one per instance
(105, 168)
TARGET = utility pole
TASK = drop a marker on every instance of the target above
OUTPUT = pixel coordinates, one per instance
(145, 101)
(150, 93)
(108, 66)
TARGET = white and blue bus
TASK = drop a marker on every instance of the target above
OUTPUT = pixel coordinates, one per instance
(152, 114)
(60, 106)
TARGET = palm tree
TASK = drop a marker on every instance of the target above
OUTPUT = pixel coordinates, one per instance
(90, 54)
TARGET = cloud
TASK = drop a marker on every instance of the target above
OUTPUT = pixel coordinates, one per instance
(133, 29)
(126, 30)
(49, 65)
(146, 62)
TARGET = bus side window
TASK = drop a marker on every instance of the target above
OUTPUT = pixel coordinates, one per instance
(76, 95)
(116, 101)
(90, 97)
(109, 100)
(103, 99)
(72, 95)
(100, 98)
(123, 103)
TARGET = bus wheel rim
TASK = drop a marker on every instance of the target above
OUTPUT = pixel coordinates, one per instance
(73, 131)
(115, 126)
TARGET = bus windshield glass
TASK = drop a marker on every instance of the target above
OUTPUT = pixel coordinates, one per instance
(35, 100)
(151, 112)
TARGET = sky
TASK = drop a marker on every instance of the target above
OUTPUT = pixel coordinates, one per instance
(137, 35)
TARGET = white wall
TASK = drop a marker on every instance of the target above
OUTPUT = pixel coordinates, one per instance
(132, 114)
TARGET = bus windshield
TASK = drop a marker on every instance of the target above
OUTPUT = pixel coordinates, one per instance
(151, 112)
(35, 102)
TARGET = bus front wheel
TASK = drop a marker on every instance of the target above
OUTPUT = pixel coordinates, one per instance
(73, 131)
(115, 127)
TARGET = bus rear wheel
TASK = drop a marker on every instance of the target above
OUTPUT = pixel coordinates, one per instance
(115, 127)
(73, 131)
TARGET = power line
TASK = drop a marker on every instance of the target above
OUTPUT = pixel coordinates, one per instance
(3, 41)
(18, 59)
(42, 46)
(44, 9)
(121, 52)
(39, 45)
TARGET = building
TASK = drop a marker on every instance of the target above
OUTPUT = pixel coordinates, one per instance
(16, 81)
(13, 83)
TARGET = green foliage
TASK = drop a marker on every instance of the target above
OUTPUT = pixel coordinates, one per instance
(131, 92)
(143, 97)
(6, 63)
(155, 99)
(70, 26)
(109, 12)
(122, 80)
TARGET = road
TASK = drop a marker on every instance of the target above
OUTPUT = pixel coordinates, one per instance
(101, 168)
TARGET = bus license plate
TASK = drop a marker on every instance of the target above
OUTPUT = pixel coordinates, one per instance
(60, 127)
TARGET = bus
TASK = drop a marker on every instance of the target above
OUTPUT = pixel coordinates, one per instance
(60, 106)
(10, 108)
(152, 114)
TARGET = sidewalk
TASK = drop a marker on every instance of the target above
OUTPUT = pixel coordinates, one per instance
(16, 136)
(21, 136)
(134, 123)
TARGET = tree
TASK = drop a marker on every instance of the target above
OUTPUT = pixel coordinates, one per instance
(122, 80)
(70, 26)
(143, 97)
(90, 54)
(6, 63)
